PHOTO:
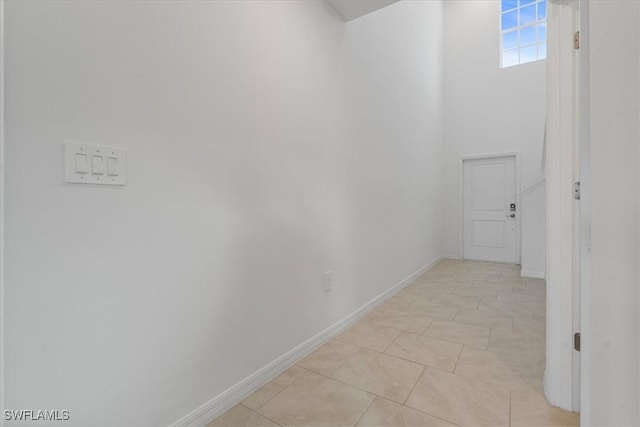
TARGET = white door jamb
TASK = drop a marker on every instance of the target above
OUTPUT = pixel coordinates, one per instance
(561, 166)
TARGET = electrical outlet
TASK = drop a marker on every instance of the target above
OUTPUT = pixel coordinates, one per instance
(328, 281)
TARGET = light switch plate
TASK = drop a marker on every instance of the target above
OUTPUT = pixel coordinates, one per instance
(94, 164)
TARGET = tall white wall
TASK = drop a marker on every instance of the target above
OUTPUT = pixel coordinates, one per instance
(615, 139)
(488, 109)
(389, 118)
(267, 143)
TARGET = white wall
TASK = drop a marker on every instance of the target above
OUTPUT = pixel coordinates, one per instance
(533, 219)
(614, 338)
(389, 121)
(267, 143)
(488, 109)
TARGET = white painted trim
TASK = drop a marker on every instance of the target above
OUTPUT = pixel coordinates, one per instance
(461, 207)
(584, 144)
(532, 188)
(451, 256)
(560, 159)
(461, 197)
(532, 274)
(236, 393)
(2, 207)
(490, 155)
(519, 205)
(576, 266)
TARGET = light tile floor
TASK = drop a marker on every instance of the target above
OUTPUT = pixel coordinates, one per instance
(462, 345)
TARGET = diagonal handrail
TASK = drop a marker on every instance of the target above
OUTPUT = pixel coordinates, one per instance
(532, 187)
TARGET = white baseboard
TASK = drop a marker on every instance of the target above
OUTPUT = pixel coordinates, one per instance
(532, 274)
(236, 393)
(451, 256)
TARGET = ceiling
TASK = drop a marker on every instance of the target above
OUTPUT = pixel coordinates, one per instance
(352, 9)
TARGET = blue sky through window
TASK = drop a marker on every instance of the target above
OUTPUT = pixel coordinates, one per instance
(523, 31)
(509, 4)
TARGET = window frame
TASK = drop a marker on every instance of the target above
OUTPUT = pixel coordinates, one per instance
(536, 24)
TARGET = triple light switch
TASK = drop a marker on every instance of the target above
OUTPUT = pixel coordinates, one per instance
(95, 164)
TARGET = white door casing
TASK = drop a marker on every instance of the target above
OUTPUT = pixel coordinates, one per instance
(562, 165)
(489, 224)
(581, 377)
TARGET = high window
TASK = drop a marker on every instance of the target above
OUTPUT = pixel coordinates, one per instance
(523, 31)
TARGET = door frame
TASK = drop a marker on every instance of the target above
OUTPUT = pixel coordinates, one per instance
(461, 161)
(584, 144)
(563, 378)
(2, 208)
(582, 302)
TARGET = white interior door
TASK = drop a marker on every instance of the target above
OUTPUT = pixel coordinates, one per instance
(489, 211)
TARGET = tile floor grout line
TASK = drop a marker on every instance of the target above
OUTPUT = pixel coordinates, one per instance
(308, 369)
(358, 388)
(491, 335)
(428, 326)
(278, 393)
(382, 321)
(455, 342)
(430, 337)
(461, 376)
(475, 324)
(262, 415)
(414, 333)
(342, 363)
(321, 373)
(505, 353)
(347, 384)
(417, 363)
(473, 379)
(512, 324)
(414, 386)
(510, 398)
(369, 348)
(420, 411)
(366, 409)
(392, 342)
(458, 359)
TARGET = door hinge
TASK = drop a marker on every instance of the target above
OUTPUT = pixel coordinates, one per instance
(576, 341)
(576, 40)
(576, 190)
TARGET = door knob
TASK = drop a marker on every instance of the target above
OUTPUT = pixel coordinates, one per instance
(511, 216)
